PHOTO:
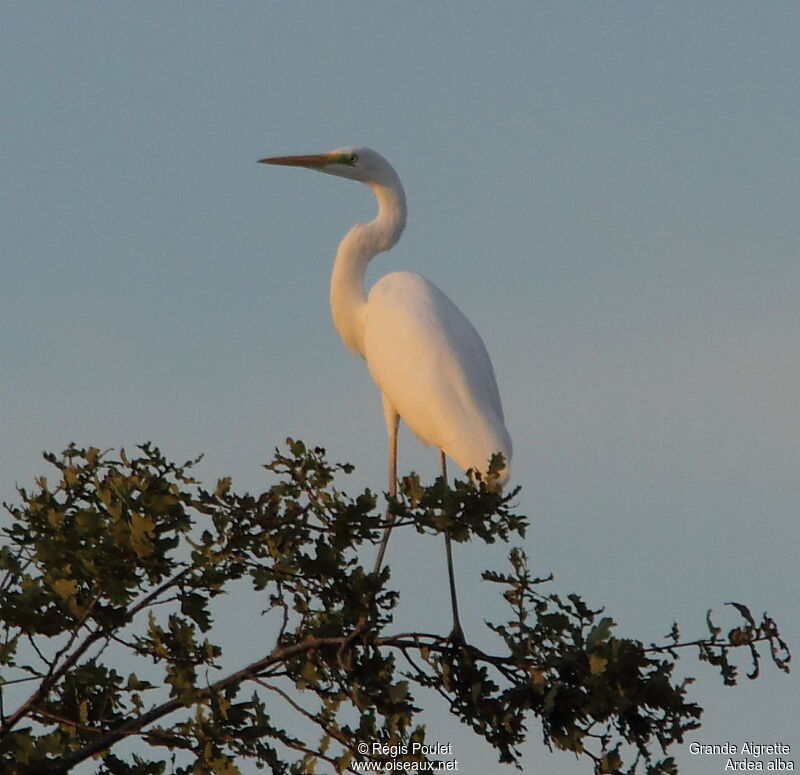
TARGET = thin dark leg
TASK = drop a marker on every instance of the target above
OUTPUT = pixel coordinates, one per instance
(457, 634)
(391, 426)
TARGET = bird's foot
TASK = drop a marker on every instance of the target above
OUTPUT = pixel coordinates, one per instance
(456, 636)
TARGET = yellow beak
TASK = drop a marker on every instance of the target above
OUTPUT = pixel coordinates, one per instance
(315, 161)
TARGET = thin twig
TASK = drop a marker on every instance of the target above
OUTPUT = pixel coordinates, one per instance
(73, 634)
(305, 713)
(707, 642)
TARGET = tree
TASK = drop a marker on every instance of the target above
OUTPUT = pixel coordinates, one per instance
(111, 573)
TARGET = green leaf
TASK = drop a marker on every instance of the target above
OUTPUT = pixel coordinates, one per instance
(398, 692)
(142, 530)
(65, 588)
(600, 633)
(597, 664)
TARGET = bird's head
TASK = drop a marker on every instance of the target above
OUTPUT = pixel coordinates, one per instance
(354, 162)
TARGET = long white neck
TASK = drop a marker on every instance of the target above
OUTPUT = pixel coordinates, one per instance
(359, 246)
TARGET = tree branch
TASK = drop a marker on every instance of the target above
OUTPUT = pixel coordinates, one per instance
(252, 672)
(54, 676)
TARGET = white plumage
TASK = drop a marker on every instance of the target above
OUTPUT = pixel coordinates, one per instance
(432, 366)
(426, 358)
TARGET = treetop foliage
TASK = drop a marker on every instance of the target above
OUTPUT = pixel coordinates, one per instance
(109, 579)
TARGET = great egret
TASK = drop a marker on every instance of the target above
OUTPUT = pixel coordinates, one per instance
(426, 358)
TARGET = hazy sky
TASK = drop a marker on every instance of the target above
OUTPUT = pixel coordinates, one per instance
(609, 190)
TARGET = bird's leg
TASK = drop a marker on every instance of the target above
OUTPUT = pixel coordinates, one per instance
(392, 421)
(457, 634)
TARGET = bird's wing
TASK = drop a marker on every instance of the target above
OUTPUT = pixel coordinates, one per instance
(431, 364)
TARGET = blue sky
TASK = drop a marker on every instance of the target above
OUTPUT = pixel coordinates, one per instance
(608, 190)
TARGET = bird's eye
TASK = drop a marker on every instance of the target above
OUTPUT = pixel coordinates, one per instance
(353, 158)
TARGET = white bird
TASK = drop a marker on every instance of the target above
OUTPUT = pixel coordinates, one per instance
(427, 359)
